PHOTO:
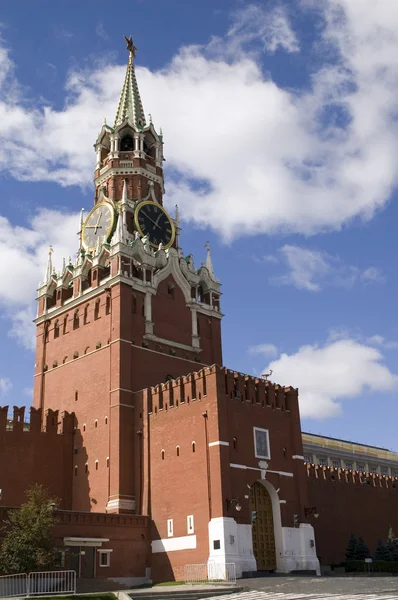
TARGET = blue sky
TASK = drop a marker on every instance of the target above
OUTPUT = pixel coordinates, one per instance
(281, 138)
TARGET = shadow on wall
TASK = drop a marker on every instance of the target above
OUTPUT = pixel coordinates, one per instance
(161, 568)
(80, 484)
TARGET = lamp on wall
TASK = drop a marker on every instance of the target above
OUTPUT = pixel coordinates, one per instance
(311, 511)
(234, 502)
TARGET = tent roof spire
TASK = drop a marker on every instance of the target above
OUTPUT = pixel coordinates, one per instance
(130, 105)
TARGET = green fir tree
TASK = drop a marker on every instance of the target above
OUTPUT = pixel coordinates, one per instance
(28, 543)
(351, 551)
(362, 550)
(382, 552)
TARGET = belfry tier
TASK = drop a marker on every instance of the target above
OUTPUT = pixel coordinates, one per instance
(131, 150)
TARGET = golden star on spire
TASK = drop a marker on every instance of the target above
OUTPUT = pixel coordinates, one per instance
(130, 45)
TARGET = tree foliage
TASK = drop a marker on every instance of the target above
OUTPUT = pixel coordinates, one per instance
(28, 544)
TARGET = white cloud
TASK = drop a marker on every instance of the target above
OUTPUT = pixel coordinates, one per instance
(100, 31)
(24, 252)
(309, 161)
(5, 385)
(265, 349)
(379, 340)
(313, 270)
(330, 374)
(269, 30)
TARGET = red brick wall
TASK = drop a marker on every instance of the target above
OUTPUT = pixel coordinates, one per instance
(36, 456)
(128, 538)
(352, 506)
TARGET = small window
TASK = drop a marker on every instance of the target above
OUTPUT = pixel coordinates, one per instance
(336, 464)
(95, 423)
(373, 469)
(384, 470)
(261, 443)
(66, 324)
(108, 305)
(107, 461)
(178, 450)
(96, 465)
(360, 467)
(162, 454)
(322, 461)
(190, 526)
(235, 443)
(96, 309)
(170, 290)
(193, 447)
(106, 420)
(56, 329)
(75, 470)
(84, 427)
(307, 458)
(86, 468)
(76, 320)
(76, 396)
(348, 465)
(216, 544)
(170, 527)
(104, 558)
(86, 315)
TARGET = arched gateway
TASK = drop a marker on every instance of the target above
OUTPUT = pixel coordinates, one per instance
(263, 528)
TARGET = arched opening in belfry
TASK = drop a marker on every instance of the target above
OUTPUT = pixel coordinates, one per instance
(127, 143)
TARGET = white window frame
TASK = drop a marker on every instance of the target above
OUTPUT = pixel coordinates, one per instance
(190, 524)
(255, 443)
(170, 528)
(107, 553)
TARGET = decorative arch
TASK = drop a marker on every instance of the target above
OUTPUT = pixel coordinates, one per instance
(173, 268)
(276, 513)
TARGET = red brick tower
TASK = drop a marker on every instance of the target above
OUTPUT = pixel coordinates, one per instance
(129, 313)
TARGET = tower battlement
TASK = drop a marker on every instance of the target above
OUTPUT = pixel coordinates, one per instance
(237, 386)
(52, 422)
(330, 474)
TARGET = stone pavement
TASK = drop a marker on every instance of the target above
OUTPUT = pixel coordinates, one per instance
(320, 588)
(258, 595)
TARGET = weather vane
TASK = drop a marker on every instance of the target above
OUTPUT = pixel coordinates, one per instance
(130, 45)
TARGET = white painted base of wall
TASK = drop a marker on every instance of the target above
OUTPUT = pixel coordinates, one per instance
(299, 550)
(296, 550)
(236, 545)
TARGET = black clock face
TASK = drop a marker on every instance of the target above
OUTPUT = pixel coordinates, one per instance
(153, 221)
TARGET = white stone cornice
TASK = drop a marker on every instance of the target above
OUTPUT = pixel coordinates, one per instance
(205, 309)
(108, 171)
(158, 340)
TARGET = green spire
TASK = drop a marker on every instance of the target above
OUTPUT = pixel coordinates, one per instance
(130, 105)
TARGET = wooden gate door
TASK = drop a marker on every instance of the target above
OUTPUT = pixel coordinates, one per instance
(263, 528)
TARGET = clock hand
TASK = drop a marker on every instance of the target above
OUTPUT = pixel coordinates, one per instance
(152, 221)
(98, 222)
(93, 227)
(157, 220)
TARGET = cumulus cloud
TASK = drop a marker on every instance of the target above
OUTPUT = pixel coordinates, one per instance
(5, 385)
(312, 270)
(330, 374)
(264, 349)
(24, 252)
(309, 160)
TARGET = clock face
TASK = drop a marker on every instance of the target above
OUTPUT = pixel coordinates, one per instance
(98, 225)
(152, 220)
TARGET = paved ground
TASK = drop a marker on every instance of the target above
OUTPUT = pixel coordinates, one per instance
(319, 588)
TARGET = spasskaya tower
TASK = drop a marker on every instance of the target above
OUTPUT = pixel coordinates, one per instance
(132, 311)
